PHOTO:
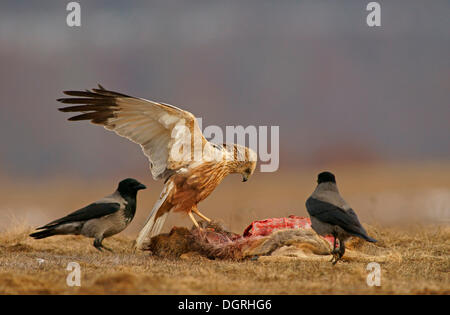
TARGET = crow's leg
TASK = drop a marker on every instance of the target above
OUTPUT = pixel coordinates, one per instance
(107, 248)
(98, 244)
(334, 252)
(335, 257)
(341, 251)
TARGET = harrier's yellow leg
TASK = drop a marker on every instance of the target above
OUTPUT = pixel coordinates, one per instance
(195, 210)
(193, 219)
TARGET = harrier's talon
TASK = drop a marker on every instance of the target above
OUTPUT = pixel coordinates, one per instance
(201, 215)
(193, 220)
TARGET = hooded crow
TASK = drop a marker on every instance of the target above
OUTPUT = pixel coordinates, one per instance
(331, 215)
(103, 218)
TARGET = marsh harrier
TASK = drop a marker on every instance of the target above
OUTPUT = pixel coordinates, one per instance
(170, 137)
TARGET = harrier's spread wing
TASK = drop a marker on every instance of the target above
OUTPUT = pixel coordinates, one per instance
(156, 127)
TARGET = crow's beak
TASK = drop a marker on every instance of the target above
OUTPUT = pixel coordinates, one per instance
(141, 186)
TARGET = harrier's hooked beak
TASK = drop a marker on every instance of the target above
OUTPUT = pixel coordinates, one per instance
(246, 174)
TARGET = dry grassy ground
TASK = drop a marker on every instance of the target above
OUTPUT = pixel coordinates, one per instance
(421, 265)
(393, 198)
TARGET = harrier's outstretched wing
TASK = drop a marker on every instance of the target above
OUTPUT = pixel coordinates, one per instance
(160, 129)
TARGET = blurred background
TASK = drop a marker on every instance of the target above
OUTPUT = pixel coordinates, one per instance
(371, 104)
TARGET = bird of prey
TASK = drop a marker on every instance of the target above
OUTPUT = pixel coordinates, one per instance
(170, 137)
(103, 218)
(331, 215)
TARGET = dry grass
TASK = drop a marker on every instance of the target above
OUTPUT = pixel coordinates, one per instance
(394, 198)
(421, 265)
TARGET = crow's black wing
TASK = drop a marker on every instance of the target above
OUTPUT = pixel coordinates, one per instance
(353, 214)
(331, 214)
(92, 211)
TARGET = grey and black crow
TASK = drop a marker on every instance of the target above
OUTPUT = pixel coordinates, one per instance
(103, 218)
(331, 215)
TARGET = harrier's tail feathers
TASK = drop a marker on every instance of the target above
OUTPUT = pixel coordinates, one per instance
(159, 223)
(155, 220)
(151, 228)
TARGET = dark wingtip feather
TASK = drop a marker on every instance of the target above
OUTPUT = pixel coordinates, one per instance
(99, 92)
(95, 117)
(87, 116)
(102, 92)
(86, 93)
(99, 100)
(85, 108)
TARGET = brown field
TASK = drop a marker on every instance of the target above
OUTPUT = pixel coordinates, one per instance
(406, 207)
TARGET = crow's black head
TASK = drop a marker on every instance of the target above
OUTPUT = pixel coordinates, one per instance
(326, 177)
(130, 186)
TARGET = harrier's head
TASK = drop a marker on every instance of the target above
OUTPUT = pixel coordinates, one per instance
(241, 160)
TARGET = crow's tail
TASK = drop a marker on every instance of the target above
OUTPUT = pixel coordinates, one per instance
(368, 238)
(44, 234)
